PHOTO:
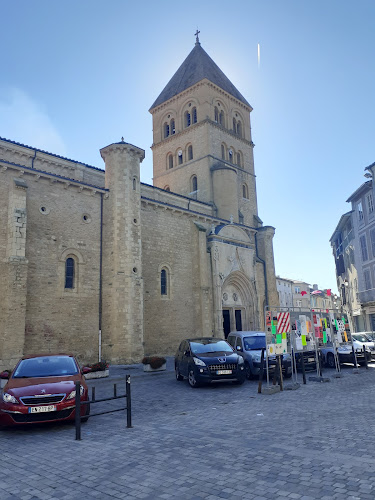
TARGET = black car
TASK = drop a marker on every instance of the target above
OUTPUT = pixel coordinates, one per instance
(208, 359)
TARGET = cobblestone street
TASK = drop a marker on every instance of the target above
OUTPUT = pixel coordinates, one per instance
(222, 441)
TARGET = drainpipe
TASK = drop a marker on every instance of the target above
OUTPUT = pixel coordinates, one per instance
(264, 269)
(100, 276)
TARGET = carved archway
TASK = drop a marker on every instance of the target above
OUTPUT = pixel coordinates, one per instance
(239, 303)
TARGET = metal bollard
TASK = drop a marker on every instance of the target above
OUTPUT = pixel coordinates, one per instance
(261, 371)
(365, 355)
(128, 402)
(78, 411)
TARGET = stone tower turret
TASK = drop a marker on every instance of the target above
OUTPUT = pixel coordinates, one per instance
(122, 321)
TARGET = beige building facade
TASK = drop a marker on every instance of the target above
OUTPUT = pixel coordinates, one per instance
(97, 263)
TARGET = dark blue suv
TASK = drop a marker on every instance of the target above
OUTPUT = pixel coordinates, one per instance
(208, 359)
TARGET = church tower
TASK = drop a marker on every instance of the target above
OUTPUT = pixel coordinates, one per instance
(202, 146)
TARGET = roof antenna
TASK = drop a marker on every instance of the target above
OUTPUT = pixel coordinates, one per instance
(197, 37)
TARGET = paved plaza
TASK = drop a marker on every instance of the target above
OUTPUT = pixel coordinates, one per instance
(222, 441)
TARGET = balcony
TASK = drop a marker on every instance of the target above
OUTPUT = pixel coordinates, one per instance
(367, 296)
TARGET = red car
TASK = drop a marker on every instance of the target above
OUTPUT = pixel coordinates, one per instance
(41, 388)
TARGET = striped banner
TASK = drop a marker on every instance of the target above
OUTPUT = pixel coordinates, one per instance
(283, 322)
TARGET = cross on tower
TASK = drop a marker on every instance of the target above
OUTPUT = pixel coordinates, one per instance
(197, 37)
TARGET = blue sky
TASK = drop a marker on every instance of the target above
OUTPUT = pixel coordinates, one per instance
(77, 75)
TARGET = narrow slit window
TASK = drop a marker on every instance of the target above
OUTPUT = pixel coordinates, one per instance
(173, 128)
(238, 159)
(190, 152)
(69, 273)
(216, 115)
(239, 129)
(170, 161)
(194, 183)
(221, 118)
(163, 282)
(166, 130)
(180, 158)
(222, 152)
(194, 113)
(187, 119)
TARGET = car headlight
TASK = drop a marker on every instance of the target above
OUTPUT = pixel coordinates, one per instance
(72, 395)
(199, 362)
(8, 398)
(240, 360)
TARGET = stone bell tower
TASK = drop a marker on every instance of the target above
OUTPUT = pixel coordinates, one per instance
(202, 146)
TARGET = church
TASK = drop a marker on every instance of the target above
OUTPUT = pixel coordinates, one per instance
(96, 263)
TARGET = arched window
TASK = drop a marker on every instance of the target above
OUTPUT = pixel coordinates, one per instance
(245, 191)
(194, 183)
(180, 157)
(194, 114)
(69, 273)
(222, 152)
(187, 119)
(167, 188)
(190, 152)
(134, 184)
(234, 125)
(230, 154)
(221, 117)
(216, 115)
(239, 129)
(170, 161)
(163, 282)
(173, 128)
(239, 159)
(166, 130)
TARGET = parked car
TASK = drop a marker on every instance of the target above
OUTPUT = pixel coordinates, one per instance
(345, 354)
(249, 345)
(365, 340)
(309, 358)
(208, 359)
(41, 388)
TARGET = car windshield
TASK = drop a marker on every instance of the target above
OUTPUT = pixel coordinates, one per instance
(252, 343)
(46, 366)
(210, 346)
(361, 337)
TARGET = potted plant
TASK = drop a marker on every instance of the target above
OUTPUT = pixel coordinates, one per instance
(96, 370)
(154, 363)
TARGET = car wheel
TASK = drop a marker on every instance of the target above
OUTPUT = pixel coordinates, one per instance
(248, 373)
(288, 374)
(331, 360)
(191, 379)
(179, 377)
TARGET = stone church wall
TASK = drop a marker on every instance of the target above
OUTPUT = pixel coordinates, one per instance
(171, 241)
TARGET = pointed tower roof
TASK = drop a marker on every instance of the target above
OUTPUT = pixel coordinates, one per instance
(197, 66)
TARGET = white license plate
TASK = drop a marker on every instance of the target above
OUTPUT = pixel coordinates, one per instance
(311, 360)
(42, 409)
(224, 372)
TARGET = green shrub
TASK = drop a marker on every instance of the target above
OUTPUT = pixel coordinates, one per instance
(154, 361)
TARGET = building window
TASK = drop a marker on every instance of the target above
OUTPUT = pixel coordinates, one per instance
(167, 188)
(166, 130)
(194, 183)
(297, 289)
(299, 303)
(363, 243)
(173, 128)
(134, 184)
(170, 161)
(360, 211)
(230, 153)
(194, 115)
(367, 276)
(69, 273)
(216, 115)
(190, 152)
(239, 159)
(223, 151)
(221, 117)
(187, 119)
(180, 157)
(234, 125)
(370, 203)
(245, 191)
(163, 282)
